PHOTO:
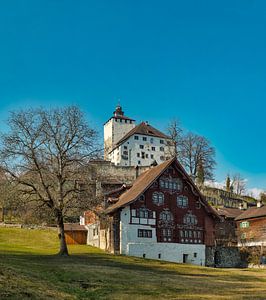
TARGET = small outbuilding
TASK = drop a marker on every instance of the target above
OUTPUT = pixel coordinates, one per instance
(75, 234)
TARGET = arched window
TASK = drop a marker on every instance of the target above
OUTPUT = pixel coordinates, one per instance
(190, 219)
(166, 215)
(158, 198)
(182, 201)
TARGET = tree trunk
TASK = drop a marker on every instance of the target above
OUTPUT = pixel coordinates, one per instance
(61, 234)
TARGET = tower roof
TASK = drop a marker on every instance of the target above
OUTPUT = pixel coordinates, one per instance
(119, 114)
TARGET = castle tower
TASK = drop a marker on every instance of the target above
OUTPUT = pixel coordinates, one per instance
(116, 128)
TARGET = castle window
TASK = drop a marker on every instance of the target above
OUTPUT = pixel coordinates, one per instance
(125, 147)
(158, 198)
(182, 201)
(142, 154)
(144, 233)
(152, 148)
(152, 156)
(138, 154)
(151, 140)
(144, 138)
(136, 137)
(147, 155)
(141, 146)
(161, 141)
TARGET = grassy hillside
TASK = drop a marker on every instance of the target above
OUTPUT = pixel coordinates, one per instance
(30, 270)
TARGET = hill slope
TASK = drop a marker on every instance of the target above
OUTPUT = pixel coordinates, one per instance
(30, 270)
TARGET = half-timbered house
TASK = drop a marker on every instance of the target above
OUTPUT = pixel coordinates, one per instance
(162, 216)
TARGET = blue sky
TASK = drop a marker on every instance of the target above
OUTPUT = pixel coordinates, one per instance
(203, 62)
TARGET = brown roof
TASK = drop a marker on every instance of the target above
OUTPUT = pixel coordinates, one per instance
(253, 212)
(229, 212)
(144, 129)
(74, 227)
(145, 180)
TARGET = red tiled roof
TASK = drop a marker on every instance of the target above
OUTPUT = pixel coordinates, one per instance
(145, 180)
(144, 129)
(229, 212)
(252, 212)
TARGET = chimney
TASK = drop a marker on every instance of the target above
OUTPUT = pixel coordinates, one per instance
(259, 203)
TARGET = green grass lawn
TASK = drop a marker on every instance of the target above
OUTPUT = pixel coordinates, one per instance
(29, 269)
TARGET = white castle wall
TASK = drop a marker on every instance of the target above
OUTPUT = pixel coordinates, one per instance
(133, 147)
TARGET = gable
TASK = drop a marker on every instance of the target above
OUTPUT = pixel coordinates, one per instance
(169, 171)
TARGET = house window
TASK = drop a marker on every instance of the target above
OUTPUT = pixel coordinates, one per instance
(151, 140)
(244, 224)
(125, 147)
(152, 148)
(144, 138)
(166, 215)
(152, 156)
(182, 201)
(142, 197)
(144, 213)
(243, 236)
(144, 233)
(195, 254)
(142, 154)
(147, 155)
(161, 141)
(167, 234)
(139, 163)
(171, 183)
(138, 154)
(190, 219)
(136, 137)
(141, 146)
(158, 198)
(161, 148)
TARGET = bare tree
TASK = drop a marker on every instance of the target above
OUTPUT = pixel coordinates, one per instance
(238, 184)
(175, 131)
(196, 154)
(44, 152)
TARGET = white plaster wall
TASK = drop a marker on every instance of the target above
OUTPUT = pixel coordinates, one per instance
(131, 244)
(133, 147)
(115, 130)
(91, 239)
(129, 232)
(169, 252)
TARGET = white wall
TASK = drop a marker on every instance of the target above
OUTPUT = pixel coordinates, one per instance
(133, 147)
(131, 244)
(93, 240)
(169, 251)
(114, 130)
